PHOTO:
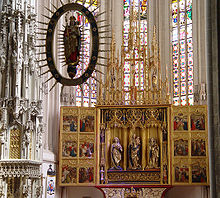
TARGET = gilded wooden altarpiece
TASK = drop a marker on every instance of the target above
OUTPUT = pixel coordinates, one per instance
(88, 137)
(146, 126)
(77, 146)
(135, 136)
(189, 135)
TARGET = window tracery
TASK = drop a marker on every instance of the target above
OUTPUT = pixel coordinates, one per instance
(182, 55)
(87, 98)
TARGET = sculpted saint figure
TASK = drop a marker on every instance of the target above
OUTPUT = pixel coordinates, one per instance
(72, 44)
(154, 80)
(154, 153)
(134, 153)
(116, 150)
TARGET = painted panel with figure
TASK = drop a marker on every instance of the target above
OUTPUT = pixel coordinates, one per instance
(69, 174)
(86, 149)
(181, 147)
(69, 149)
(197, 122)
(180, 122)
(199, 174)
(182, 174)
(87, 124)
(86, 175)
(198, 148)
(70, 123)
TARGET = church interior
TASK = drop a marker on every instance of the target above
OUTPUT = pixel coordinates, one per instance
(109, 99)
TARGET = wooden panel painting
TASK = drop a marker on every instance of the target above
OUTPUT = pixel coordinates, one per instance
(87, 124)
(180, 122)
(69, 149)
(181, 147)
(189, 137)
(69, 174)
(77, 146)
(199, 174)
(86, 175)
(86, 149)
(198, 148)
(197, 122)
(182, 174)
(70, 123)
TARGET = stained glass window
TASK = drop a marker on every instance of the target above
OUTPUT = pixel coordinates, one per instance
(87, 97)
(182, 45)
(140, 37)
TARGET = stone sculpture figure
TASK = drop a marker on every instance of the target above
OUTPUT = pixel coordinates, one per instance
(154, 153)
(134, 153)
(202, 92)
(116, 154)
(72, 44)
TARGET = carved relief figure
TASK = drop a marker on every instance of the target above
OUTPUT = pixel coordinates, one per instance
(27, 139)
(154, 80)
(165, 174)
(2, 133)
(134, 153)
(116, 154)
(154, 153)
(14, 51)
(2, 60)
(164, 133)
(202, 92)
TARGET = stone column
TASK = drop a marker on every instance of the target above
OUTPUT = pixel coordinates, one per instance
(212, 22)
(117, 21)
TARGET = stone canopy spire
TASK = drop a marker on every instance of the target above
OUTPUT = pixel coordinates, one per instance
(21, 124)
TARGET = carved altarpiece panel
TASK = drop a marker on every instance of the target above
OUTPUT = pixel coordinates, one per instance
(143, 133)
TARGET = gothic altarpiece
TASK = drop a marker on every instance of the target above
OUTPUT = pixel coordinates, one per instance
(134, 143)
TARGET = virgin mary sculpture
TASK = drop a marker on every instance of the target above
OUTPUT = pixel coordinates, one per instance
(116, 154)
